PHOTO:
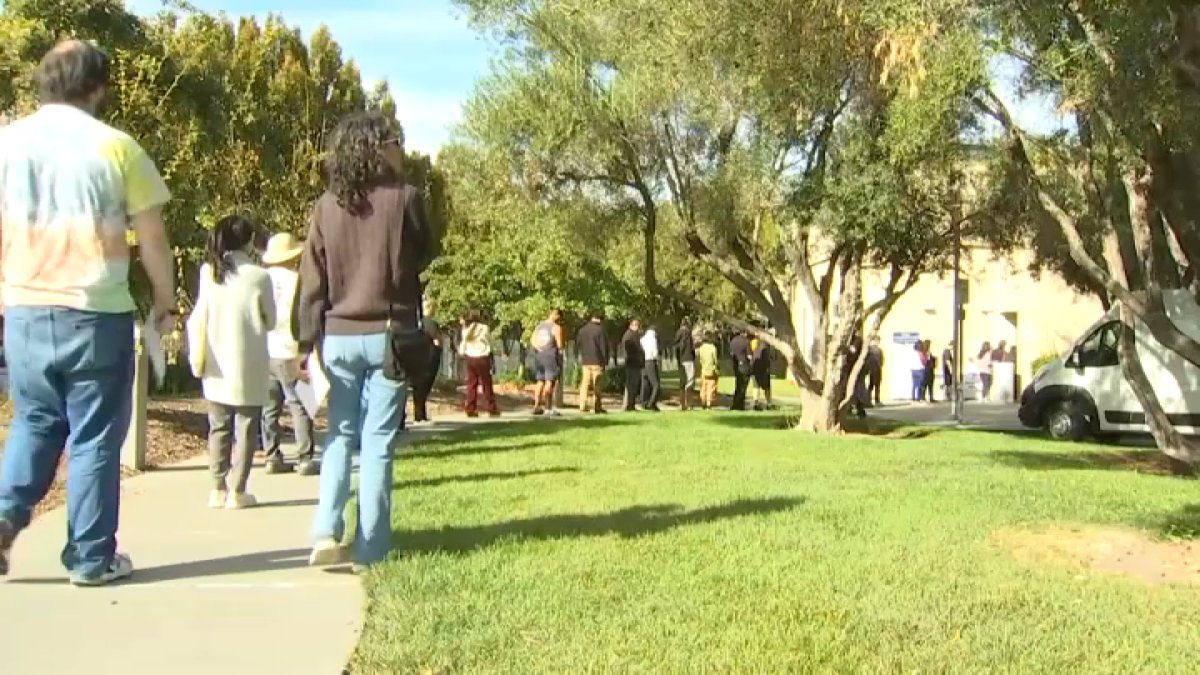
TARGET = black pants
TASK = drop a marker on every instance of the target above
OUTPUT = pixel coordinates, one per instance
(421, 388)
(874, 385)
(651, 382)
(927, 385)
(741, 384)
(633, 386)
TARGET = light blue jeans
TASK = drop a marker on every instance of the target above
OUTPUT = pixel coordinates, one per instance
(364, 418)
(71, 385)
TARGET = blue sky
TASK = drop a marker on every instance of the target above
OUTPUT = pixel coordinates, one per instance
(431, 58)
(423, 48)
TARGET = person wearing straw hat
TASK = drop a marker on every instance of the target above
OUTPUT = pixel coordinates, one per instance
(282, 259)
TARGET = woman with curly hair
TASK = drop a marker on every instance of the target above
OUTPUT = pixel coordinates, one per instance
(368, 241)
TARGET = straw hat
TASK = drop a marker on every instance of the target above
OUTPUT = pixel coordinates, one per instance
(282, 248)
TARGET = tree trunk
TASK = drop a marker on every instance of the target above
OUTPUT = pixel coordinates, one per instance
(819, 412)
(1184, 453)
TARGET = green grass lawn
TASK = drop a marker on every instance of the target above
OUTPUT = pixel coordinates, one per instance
(717, 543)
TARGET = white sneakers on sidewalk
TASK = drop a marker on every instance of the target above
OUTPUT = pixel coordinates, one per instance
(220, 499)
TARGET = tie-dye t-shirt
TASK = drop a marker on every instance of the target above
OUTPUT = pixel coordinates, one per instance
(68, 186)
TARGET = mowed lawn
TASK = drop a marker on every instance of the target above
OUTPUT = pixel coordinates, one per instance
(718, 543)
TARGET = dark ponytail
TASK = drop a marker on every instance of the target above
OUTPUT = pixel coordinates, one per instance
(231, 233)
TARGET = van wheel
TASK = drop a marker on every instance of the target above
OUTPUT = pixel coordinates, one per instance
(1064, 422)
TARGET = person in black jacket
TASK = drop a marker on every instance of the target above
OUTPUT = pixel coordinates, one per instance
(685, 353)
(635, 360)
(743, 368)
(593, 357)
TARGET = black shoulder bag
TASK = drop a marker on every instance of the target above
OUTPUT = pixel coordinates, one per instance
(408, 355)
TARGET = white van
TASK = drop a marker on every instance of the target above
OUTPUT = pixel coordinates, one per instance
(1084, 391)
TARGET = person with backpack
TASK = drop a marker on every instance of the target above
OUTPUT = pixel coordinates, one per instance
(547, 346)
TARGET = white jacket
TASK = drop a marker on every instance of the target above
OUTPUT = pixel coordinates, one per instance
(227, 334)
(650, 345)
(476, 342)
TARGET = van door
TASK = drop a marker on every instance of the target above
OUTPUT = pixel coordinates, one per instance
(1097, 367)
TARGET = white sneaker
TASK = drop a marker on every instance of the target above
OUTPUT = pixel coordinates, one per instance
(553, 412)
(121, 567)
(328, 552)
(240, 500)
(217, 499)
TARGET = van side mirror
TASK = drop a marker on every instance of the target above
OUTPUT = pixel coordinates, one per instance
(1073, 361)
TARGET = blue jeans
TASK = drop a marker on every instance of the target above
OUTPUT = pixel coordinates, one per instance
(365, 409)
(70, 381)
(918, 384)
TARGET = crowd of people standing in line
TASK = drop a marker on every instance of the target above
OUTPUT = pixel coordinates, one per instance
(347, 300)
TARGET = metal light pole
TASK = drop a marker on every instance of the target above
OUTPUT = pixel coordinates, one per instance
(957, 314)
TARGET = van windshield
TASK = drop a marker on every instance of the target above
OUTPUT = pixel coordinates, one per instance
(1099, 350)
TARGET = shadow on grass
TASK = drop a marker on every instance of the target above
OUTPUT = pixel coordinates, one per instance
(786, 421)
(627, 523)
(1181, 524)
(484, 477)
(1138, 461)
(425, 445)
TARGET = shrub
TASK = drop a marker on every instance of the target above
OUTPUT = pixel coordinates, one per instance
(1043, 360)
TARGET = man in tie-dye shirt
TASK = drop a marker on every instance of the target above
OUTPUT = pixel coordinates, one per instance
(71, 188)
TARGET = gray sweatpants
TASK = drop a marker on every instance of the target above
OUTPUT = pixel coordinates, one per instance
(232, 441)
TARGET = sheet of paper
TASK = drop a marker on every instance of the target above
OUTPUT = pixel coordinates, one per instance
(152, 342)
(313, 393)
(308, 397)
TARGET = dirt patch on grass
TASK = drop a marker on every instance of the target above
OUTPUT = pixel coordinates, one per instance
(1106, 550)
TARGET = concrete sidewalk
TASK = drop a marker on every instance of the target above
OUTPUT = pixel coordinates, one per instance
(213, 591)
(976, 415)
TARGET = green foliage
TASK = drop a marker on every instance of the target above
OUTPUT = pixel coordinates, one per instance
(234, 112)
(1042, 360)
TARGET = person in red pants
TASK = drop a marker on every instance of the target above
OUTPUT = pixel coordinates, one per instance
(476, 350)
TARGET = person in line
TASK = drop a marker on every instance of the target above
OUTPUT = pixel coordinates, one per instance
(760, 356)
(651, 372)
(635, 360)
(856, 388)
(927, 382)
(916, 366)
(874, 370)
(368, 242)
(948, 377)
(548, 347)
(70, 188)
(476, 350)
(743, 367)
(984, 363)
(282, 258)
(227, 349)
(685, 354)
(422, 388)
(593, 357)
(709, 364)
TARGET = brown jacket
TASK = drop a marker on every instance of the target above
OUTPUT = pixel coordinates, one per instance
(355, 270)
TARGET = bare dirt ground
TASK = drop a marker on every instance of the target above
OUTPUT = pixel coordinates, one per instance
(1106, 550)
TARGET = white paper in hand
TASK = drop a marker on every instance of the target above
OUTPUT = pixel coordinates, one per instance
(152, 343)
(313, 392)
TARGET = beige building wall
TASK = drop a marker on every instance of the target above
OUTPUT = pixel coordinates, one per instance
(1038, 315)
